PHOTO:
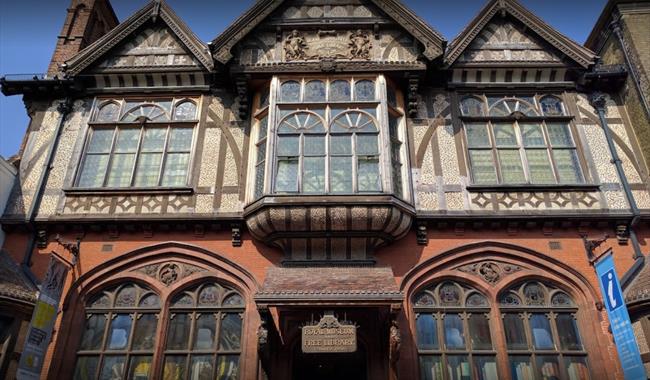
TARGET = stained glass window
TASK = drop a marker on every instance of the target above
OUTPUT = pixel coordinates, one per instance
(508, 147)
(119, 335)
(131, 153)
(539, 320)
(204, 334)
(453, 333)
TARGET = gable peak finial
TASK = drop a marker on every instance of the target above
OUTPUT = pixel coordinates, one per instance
(155, 11)
(501, 6)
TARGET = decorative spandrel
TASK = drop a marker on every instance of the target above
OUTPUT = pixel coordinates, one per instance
(490, 271)
(170, 272)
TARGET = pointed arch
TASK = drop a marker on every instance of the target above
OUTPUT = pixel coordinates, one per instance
(494, 267)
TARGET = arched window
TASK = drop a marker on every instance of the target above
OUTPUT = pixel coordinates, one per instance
(539, 322)
(453, 333)
(119, 335)
(204, 334)
(521, 141)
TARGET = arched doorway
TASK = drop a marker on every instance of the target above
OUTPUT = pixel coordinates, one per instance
(348, 366)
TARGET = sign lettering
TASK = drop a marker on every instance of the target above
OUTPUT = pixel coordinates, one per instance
(329, 336)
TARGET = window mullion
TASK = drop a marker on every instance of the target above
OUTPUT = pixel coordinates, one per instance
(137, 156)
(163, 158)
(116, 130)
(522, 153)
(495, 152)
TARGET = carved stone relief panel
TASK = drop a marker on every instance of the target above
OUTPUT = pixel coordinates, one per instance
(153, 47)
(489, 270)
(504, 40)
(169, 272)
(128, 204)
(297, 45)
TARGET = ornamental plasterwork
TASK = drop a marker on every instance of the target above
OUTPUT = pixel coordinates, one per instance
(490, 271)
(327, 44)
(154, 46)
(502, 40)
(170, 272)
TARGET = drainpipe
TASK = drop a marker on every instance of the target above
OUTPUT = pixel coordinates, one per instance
(598, 101)
(64, 109)
(618, 32)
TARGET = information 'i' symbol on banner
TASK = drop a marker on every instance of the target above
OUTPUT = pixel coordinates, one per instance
(610, 291)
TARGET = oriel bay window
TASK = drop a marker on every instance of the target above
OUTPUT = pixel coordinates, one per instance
(453, 333)
(139, 144)
(520, 140)
(329, 136)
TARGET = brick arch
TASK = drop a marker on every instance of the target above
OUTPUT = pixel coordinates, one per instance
(533, 265)
(532, 262)
(205, 265)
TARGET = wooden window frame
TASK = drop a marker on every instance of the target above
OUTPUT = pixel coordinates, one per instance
(118, 125)
(515, 119)
(439, 312)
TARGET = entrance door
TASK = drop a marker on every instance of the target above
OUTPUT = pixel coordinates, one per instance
(350, 366)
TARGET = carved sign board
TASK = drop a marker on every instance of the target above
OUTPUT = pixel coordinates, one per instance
(329, 336)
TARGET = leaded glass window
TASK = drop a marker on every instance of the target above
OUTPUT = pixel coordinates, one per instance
(542, 336)
(204, 334)
(139, 144)
(329, 143)
(119, 335)
(453, 333)
(520, 140)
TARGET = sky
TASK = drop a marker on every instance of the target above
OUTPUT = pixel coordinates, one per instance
(28, 31)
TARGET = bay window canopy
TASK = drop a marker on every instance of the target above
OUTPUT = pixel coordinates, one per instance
(334, 139)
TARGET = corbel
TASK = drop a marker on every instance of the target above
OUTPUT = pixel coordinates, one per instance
(375, 30)
(241, 82)
(421, 234)
(236, 235)
(622, 234)
(413, 85)
(199, 230)
(41, 239)
(113, 231)
(147, 230)
(459, 228)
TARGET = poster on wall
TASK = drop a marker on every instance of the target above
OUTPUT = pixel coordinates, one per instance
(619, 319)
(40, 328)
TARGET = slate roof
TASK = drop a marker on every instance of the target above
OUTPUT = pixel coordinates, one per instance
(13, 283)
(335, 282)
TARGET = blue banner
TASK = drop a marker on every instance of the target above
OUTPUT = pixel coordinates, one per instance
(619, 319)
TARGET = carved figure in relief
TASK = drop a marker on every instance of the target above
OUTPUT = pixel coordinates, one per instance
(360, 45)
(294, 46)
(395, 341)
(490, 272)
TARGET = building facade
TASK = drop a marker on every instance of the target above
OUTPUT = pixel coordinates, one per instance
(328, 190)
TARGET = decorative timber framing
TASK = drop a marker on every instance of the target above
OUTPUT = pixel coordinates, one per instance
(153, 11)
(579, 54)
(432, 41)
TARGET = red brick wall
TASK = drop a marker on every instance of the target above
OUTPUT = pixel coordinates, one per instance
(85, 22)
(405, 257)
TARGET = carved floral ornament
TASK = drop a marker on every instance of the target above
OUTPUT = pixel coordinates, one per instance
(169, 272)
(490, 271)
(328, 44)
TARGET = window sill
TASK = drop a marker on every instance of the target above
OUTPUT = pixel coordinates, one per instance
(532, 188)
(129, 191)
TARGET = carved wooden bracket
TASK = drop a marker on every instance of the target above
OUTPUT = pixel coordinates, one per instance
(414, 84)
(421, 234)
(41, 239)
(242, 93)
(622, 234)
(236, 235)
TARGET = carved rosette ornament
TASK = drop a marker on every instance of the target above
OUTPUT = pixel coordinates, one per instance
(169, 273)
(360, 45)
(490, 271)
